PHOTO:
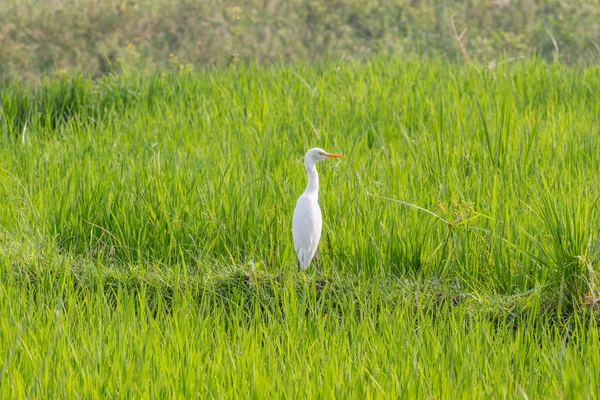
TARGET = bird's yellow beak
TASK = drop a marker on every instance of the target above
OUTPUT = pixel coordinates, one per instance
(333, 155)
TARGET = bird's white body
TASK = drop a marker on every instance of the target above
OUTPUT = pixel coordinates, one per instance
(307, 225)
(307, 221)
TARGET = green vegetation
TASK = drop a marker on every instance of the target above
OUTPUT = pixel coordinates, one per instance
(41, 36)
(145, 244)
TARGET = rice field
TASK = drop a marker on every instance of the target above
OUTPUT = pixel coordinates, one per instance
(145, 245)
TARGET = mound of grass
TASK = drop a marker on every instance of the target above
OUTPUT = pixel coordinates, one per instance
(100, 331)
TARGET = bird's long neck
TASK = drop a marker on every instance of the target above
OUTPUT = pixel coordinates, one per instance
(313, 179)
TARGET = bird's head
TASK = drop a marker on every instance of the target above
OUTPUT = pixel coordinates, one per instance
(316, 154)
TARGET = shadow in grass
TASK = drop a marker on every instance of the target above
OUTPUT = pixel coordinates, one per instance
(249, 294)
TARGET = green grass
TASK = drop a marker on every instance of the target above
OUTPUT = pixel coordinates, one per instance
(145, 244)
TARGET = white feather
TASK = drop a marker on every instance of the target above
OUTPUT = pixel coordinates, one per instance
(307, 224)
(307, 221)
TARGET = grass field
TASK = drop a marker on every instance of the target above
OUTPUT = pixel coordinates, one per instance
(145, 246)
(39, 37)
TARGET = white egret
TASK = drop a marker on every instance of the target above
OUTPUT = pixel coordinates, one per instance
(307, 221)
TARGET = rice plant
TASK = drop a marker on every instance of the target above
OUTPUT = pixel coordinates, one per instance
(145, 245)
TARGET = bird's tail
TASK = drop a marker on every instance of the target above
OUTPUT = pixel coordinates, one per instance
(303, 258)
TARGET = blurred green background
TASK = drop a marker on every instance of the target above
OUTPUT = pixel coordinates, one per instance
(43, 36)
